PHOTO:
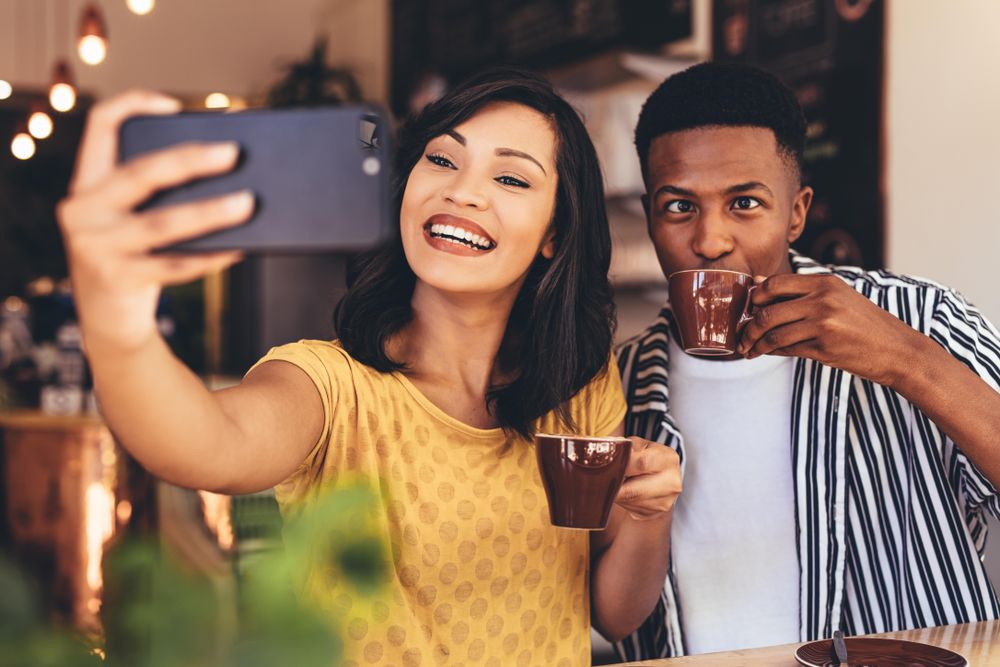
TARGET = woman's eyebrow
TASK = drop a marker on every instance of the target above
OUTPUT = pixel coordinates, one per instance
(500, 152)
(503, 152)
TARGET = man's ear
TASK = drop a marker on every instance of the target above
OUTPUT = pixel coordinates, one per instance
(800, 211)
(645, 208)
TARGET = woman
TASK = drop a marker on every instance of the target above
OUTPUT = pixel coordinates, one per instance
(488, 319)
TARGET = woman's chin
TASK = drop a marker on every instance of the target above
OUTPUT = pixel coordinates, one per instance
(447, 282)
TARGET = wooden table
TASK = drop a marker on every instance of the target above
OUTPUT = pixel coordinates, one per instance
(979, 643)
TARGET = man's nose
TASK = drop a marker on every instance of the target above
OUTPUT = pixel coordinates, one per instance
(712, 239)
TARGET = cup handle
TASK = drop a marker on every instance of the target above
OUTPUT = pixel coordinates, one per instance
(746, 316)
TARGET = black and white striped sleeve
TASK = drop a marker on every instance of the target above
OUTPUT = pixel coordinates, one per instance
(972, 339)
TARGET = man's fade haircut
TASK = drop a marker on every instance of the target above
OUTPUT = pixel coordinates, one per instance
(723, 94)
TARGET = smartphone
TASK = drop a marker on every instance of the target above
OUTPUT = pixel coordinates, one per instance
(320, 176)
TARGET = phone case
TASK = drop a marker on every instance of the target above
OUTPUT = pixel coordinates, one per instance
(320, 175)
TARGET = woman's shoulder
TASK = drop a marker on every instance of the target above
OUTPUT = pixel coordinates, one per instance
(331, 351)
(324, 359)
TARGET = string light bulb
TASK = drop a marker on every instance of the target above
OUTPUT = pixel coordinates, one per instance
(93, 42)
(141, 7)
(22, 146)
(6, 90)
(40, 124)
(62, 94)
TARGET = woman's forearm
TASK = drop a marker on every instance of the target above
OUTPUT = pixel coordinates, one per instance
(628, 576)
(163, 414)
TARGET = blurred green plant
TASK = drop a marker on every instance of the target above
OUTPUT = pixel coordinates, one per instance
(25, 638)
(157, 614)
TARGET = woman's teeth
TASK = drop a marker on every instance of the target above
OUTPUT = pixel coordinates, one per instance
(460, 236)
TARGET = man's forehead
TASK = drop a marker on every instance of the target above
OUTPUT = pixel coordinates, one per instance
(716, 154)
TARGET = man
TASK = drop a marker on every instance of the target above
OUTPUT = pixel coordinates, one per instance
(837, 472)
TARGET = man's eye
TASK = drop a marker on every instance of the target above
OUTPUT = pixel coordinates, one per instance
(746, 203)
(679, 206)
(440, 160)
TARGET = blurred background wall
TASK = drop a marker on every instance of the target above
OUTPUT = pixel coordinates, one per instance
(943, 142)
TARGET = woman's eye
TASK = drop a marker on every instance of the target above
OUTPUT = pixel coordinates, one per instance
(510, 180)
(746, 203)
(440, 160)
(679, 206)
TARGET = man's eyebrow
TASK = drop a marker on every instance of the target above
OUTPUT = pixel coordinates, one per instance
(747, 187)
(673, 190)
(516, 153)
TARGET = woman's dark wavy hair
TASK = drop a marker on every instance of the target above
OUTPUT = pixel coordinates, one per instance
(560, 331)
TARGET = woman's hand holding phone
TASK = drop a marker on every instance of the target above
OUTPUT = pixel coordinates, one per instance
(116, 276)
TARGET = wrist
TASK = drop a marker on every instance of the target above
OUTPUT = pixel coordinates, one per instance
(650, 519)
(117, 345)
(915, 356)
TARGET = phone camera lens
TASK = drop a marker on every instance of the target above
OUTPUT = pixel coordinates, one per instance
(371, 166)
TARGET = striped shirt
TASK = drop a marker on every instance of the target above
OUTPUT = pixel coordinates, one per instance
(890, 513)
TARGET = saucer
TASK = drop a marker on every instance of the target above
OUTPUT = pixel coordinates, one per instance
(875, 652)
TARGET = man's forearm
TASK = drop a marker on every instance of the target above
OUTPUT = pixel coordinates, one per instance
(956, 399)
(628, 576)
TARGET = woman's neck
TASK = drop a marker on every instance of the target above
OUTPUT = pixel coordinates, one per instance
(454, 339)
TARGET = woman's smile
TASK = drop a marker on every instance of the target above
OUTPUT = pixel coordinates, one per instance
(460, 236)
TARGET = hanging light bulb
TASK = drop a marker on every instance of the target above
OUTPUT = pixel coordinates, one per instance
(93, 43)
(217, 101)
(141, 7)
(6, 90)
(62, 94)
(40, 124)
(22, 146)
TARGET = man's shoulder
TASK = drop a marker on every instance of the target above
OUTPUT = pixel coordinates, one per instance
(860, 277)
(655, 336)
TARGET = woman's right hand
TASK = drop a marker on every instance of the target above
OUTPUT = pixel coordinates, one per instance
(115, 275)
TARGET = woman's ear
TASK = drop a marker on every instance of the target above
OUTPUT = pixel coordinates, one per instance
(548, 250)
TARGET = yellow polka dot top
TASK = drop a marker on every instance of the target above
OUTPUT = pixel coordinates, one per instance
(478, 574)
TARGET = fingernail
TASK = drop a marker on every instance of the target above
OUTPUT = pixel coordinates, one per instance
(224, 152)
(241, 202)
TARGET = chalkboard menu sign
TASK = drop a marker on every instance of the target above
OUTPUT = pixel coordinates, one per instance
(454, 38)
(830, 53)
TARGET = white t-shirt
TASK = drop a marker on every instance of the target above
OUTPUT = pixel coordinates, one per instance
(733, 533)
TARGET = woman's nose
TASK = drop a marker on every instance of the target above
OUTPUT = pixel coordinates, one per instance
(465, 191)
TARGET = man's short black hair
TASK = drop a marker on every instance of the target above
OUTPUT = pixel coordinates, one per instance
(713, 94)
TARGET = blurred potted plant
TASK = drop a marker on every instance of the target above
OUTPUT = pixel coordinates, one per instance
(159, 615)
(312, 82)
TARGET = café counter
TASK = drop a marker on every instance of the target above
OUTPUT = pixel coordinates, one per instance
(979, 643)
(69, 492)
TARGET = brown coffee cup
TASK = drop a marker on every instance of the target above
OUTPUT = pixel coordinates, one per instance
(710, 307)
(581, 476)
